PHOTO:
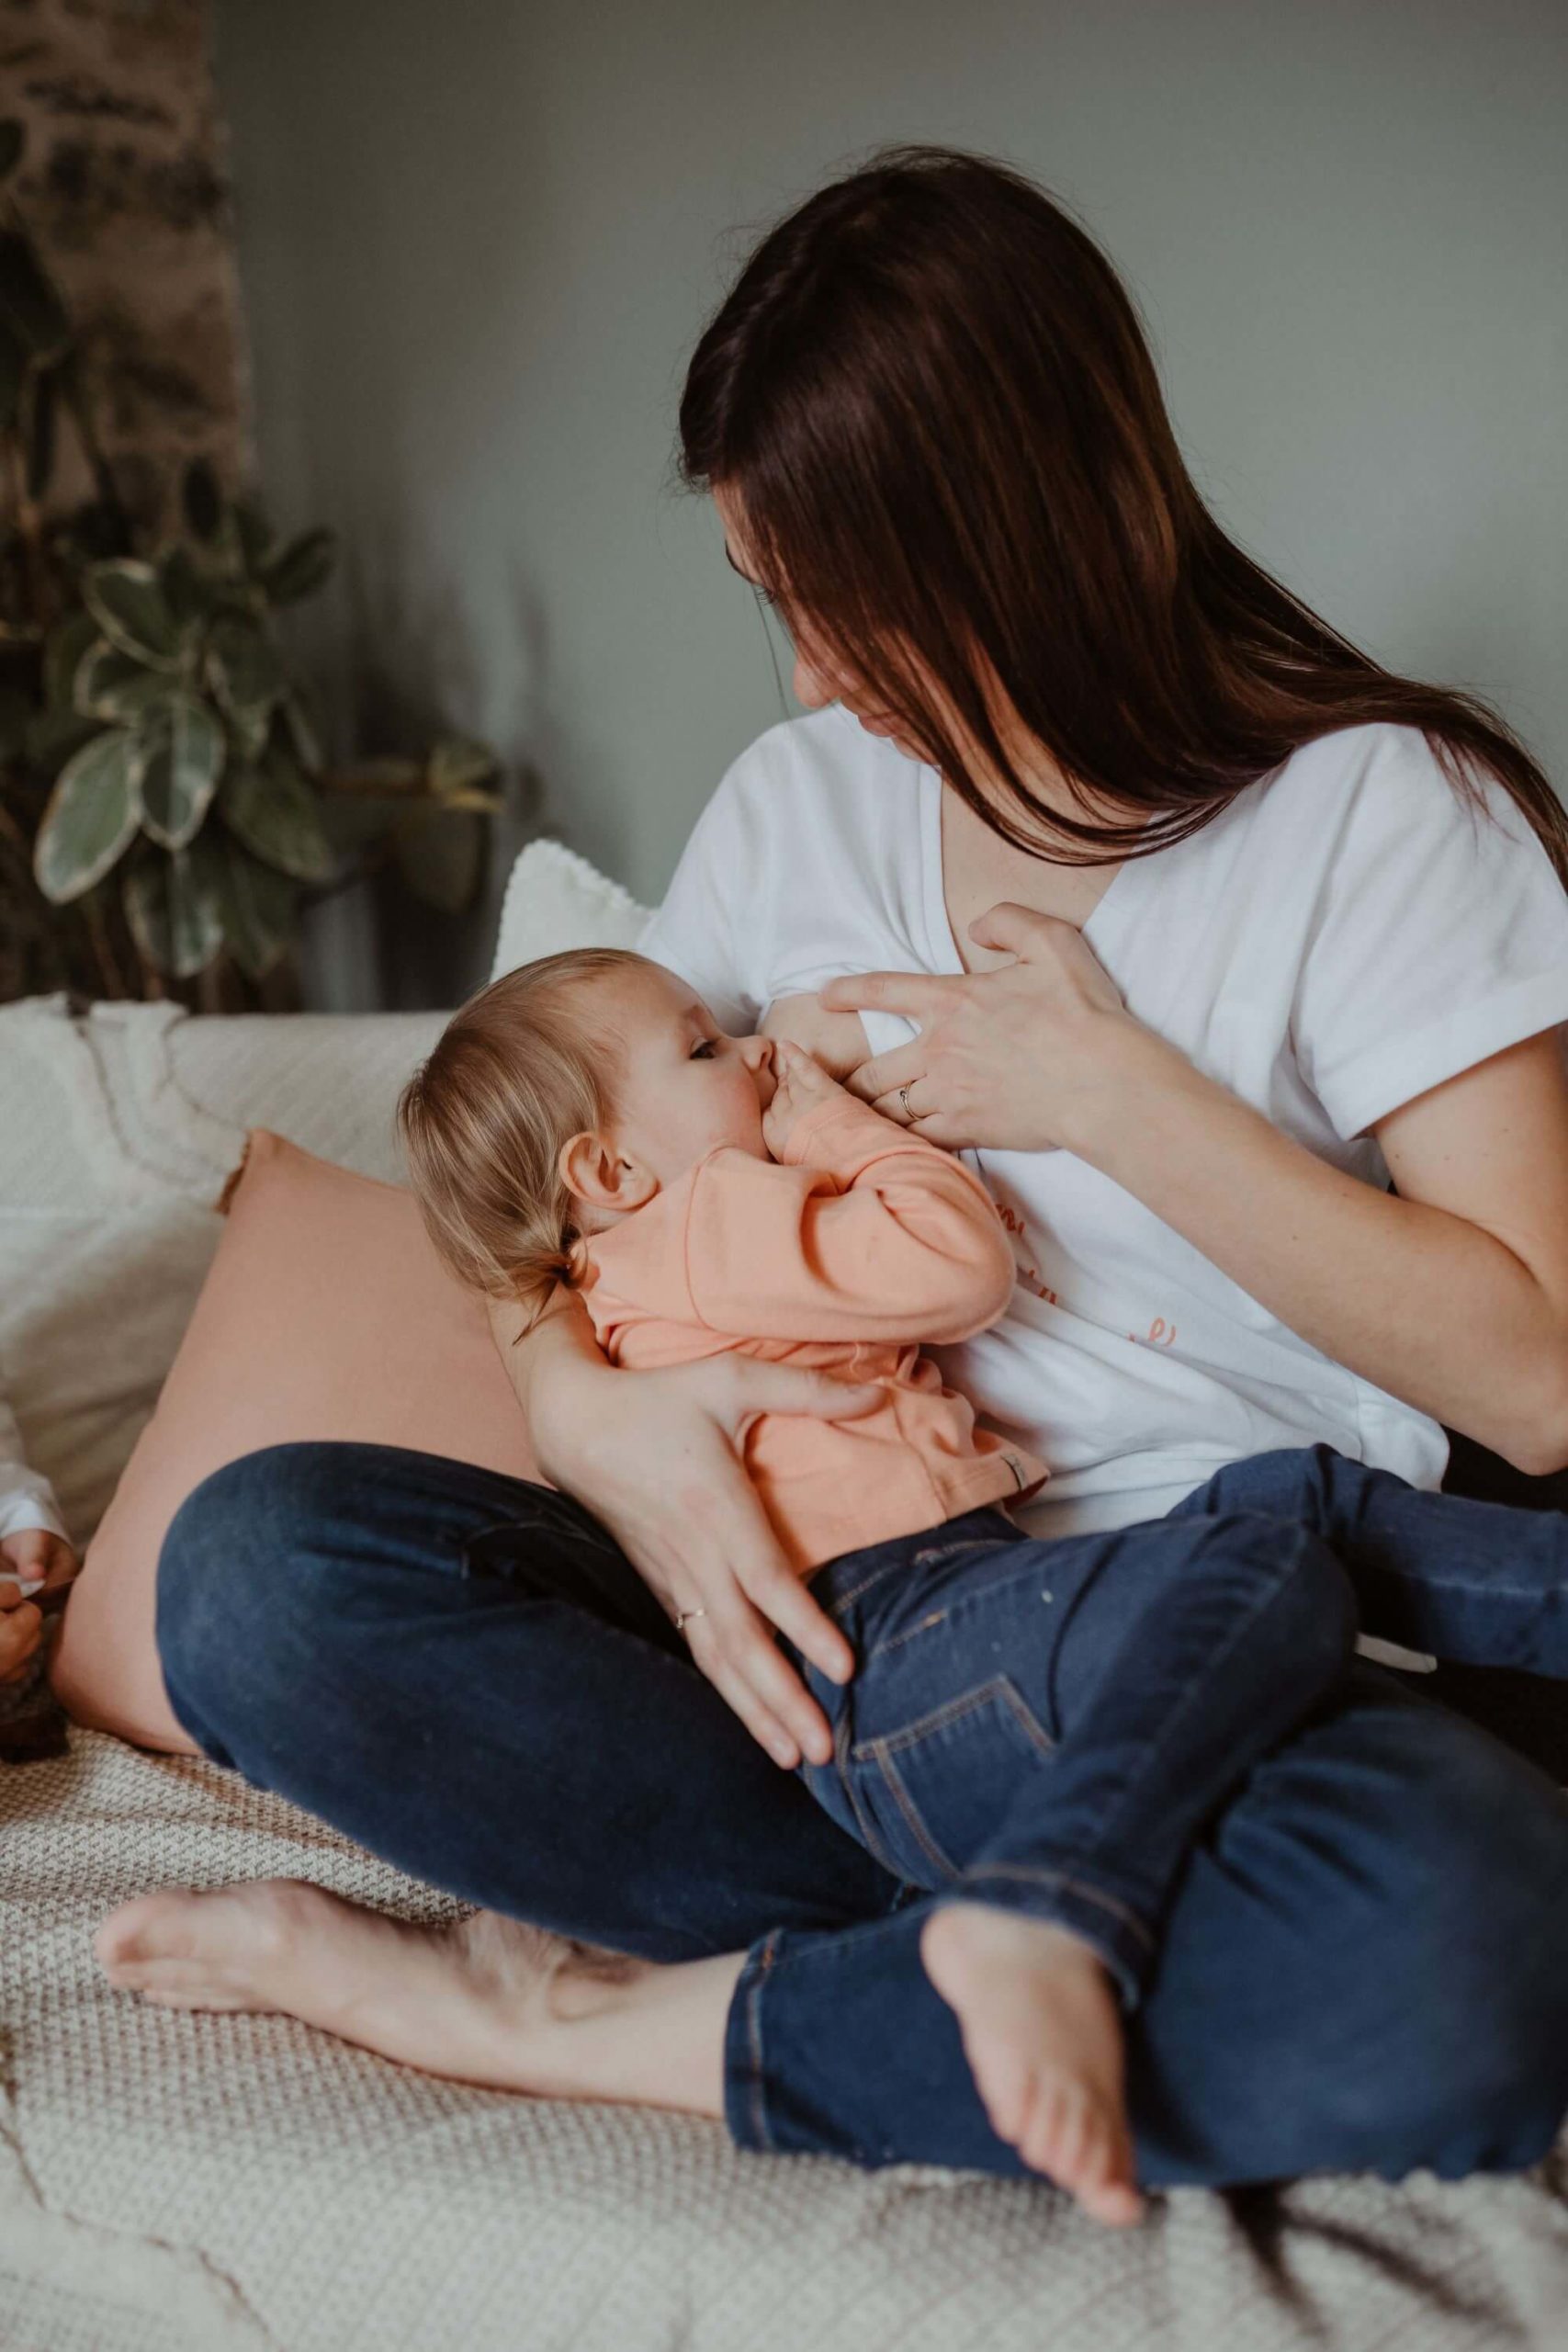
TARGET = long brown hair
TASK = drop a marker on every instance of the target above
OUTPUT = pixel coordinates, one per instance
(930, 394)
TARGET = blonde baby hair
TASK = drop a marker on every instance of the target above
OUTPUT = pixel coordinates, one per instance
(517, 1072)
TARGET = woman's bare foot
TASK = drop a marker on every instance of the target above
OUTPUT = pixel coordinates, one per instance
(1044, 2037)
(488, 2000)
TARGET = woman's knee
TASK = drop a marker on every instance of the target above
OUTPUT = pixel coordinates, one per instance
(234, 1576)
(1477, 2064)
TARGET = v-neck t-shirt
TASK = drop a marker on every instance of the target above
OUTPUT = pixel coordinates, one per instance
(1346, 935)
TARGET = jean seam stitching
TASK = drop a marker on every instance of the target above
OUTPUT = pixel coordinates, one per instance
(952, 1710)
(894, 1781)
(1034, 1874)
(756, 2086)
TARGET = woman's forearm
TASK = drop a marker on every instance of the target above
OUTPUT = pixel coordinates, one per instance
(1425, 1303)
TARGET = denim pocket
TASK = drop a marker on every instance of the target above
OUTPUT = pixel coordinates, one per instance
(933, 1794)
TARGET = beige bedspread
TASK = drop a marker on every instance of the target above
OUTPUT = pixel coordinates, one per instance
(170, 2181)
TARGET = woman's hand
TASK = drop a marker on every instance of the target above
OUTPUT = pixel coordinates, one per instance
(836, 1040)
(653, 1455)
(1037, 1055)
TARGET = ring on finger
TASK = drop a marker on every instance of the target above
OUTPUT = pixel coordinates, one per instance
(684, 1616)
(904, 1103)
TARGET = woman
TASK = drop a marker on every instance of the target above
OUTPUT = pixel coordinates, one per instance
(1207, 922)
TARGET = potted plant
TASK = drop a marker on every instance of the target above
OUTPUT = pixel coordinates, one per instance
(161, 785)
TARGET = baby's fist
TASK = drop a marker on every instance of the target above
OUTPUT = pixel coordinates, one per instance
(803, 1085)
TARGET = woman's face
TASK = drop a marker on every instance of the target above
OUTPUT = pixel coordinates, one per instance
(819, 679)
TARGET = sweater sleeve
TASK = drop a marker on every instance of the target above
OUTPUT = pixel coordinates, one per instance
(867, 1234)
(26, 1499)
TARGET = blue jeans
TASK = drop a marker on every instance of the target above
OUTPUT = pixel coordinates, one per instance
(1047, 1727)
(1363, 1961)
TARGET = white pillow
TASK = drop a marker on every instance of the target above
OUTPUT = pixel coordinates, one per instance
(117, 1132)
(556, 900)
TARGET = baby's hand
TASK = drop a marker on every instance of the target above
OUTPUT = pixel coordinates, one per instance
(803, 1085)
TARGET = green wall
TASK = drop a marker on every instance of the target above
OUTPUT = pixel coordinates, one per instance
(478, 242)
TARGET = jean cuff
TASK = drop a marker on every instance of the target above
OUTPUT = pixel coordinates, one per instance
(1115, 1930)
(745, 2074)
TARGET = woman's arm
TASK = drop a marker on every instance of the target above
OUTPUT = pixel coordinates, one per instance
(652, 1455)
(1452, 1295)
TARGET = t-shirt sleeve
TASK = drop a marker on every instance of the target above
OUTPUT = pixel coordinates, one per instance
(707, 927)
(1440, 938)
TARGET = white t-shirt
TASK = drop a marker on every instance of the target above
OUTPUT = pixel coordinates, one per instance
(1344, 935)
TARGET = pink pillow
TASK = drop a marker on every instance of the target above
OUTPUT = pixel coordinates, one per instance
(326, 1313)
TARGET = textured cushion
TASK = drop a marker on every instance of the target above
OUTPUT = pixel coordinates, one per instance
(556, 900)
(117, 1132)
(326, 1315)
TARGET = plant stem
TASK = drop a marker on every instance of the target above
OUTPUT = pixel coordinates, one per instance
(103, 949)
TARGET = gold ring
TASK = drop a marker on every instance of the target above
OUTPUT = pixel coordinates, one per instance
(684, 1616)
(904, 1099)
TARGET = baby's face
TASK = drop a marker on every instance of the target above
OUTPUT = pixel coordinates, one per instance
(684, 1087)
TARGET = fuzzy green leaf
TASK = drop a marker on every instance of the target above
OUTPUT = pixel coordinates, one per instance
(64, 648)
(458, 763)
(129, 604)
(269, 806)
(260, 906)
(300, 728)
(245, 666)
(183, 768)
(176, 907)
(92, 816)
(112, 684)
(300, 568)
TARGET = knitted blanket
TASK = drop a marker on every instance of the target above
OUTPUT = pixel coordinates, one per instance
(235, 2184)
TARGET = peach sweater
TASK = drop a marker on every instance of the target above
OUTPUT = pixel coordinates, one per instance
(862, 1243)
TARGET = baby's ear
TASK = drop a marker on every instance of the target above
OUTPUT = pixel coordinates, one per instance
(600, 1177)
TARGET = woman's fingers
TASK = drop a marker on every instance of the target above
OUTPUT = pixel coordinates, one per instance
(787, 1603)
(754, 1388)
(733, 1645)
(886, 1073)
(1018, 931)
(922, 995)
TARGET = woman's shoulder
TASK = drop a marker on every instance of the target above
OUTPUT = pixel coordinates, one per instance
(1376, 779)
